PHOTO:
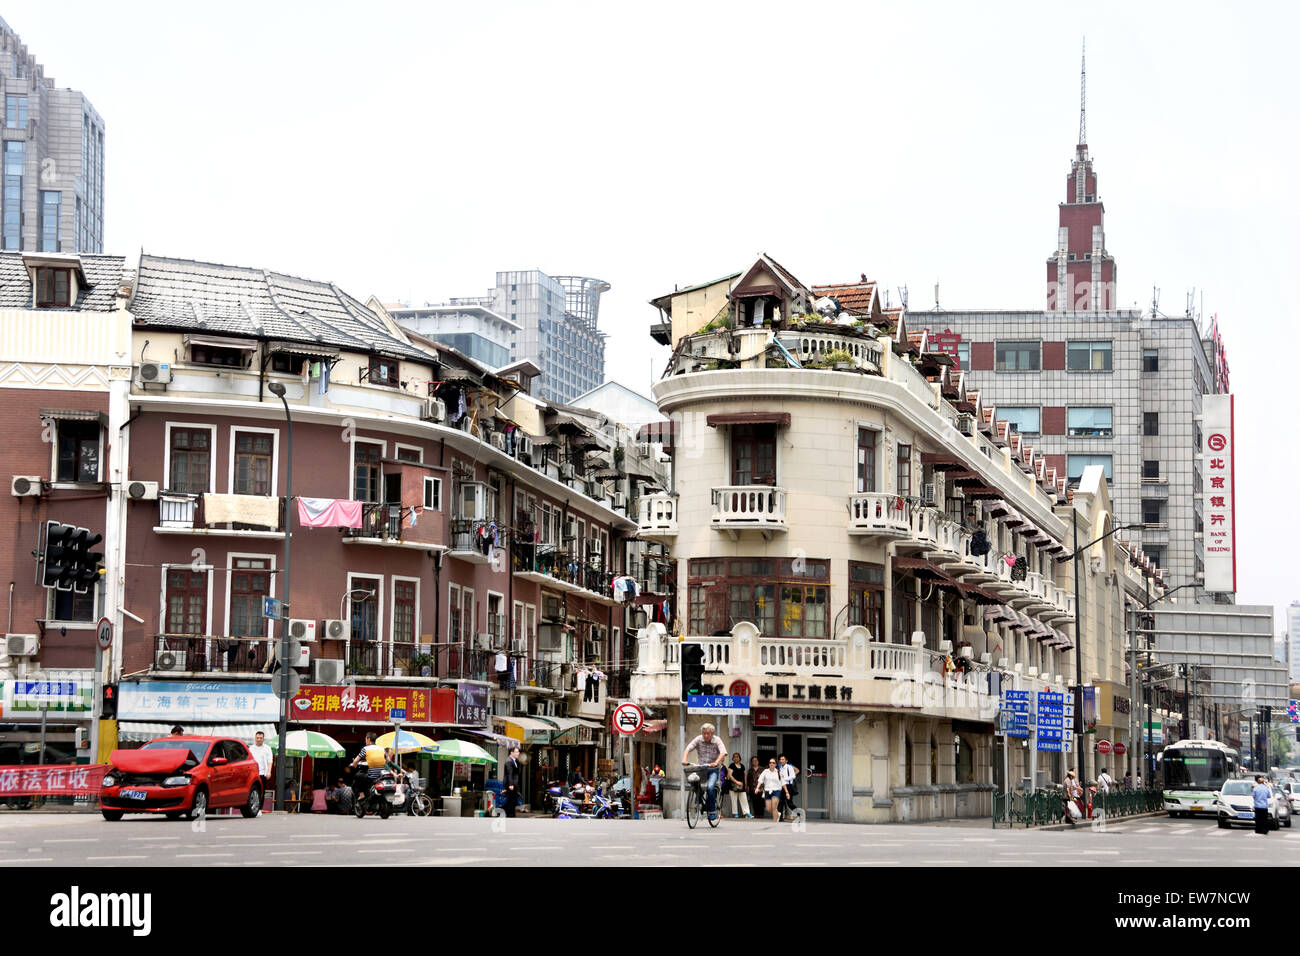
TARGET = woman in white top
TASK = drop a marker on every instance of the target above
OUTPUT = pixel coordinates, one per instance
(770, 788)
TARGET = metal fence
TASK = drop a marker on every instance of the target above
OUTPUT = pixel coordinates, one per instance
(1045, 807)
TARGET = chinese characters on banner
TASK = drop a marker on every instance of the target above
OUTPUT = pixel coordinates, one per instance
(1217, 492)
(52, 780)
(472, 707)
(433, 705)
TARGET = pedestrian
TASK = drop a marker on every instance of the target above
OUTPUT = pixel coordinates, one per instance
(1105, 782)
(790, 787)
(178, 731)
(1128, 780)
(342, 796)
(512, 776)
(736, 786)
(751, 785)
(771, 789)
(1262, 793)
(264, 756)
(1073, 798)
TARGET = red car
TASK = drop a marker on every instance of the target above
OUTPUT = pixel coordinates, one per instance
(181, 777)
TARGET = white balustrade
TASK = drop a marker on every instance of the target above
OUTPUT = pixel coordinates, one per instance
(875, 513)
(749, 505)
(658, 515)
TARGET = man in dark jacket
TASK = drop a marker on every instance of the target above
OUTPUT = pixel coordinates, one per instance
(512, 776)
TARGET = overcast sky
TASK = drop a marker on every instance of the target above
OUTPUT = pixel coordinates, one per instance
(411, 152)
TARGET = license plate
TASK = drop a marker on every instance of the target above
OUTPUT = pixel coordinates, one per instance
(1196, 809)
(1246, 816)
(134, 795)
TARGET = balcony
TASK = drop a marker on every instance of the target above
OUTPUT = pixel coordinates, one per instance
(952, 544)
(922, 530)
(978, 569)
(657, 517)
(851, 669)
(749, 508)
(180, 513)
(470, 542)
(873, 513)
(558, 569)
(178, 654)
(827, 350)
(379, 522)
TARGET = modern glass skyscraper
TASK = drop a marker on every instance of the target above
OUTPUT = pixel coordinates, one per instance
(53, 159)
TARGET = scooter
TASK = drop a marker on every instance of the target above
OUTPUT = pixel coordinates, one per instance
(562, 807)
(380, 798)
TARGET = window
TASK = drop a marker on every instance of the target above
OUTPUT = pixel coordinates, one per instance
(903, 470)
(72, 607)
(803, 611)
(78, 444)
(191, 460)
(1088, 357)
(53, 287)
(1074, 465)
(365, 471)
(756, 603)
(1017, 356)
(904, 610)
(1157, 556)
(292, 362)
(253, 452)
(404, 593)
(963, 354)
(412, 455)
(1026, 420)
(364, 609)
(867, 597)
(250, 582)
(1150, 360)
(753, 455)
(1090, 422)
(1150, 423)
(433, 493)
(383, 371)
(1151, 511)
(866, 460)
(1150, 469)
(51, 204)
(216, 355)
(15, 169)
(15, 112)
(187, 601)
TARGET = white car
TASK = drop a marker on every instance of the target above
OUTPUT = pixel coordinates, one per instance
(1236, 804)
(1292, 790)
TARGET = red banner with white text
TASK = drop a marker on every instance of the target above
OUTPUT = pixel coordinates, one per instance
(51, 780)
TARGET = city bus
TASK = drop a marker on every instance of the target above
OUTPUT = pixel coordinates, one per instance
(1193, 772)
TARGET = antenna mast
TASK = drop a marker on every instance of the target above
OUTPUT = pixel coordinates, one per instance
(1083, 95)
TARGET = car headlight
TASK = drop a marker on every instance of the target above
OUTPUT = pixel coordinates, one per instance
(109, 780)
(183, 780)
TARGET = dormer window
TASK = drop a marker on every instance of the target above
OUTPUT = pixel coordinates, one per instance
(53, 287)
(383, 372)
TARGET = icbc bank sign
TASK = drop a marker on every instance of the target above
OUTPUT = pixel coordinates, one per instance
(1218, 449)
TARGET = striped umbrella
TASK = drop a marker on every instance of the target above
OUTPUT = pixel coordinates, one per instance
(408, 741)
(307, 743)
(461, 750)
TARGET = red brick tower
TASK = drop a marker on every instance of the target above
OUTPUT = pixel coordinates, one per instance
(1081, 273)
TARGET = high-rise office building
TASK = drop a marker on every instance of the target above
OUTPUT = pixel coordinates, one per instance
(53, 144)
(473, 330)
(1293, 640)
(1087, 384)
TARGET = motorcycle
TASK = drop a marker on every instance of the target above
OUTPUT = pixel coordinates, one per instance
(381, 797)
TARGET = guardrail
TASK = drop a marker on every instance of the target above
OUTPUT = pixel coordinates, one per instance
(1047, 807)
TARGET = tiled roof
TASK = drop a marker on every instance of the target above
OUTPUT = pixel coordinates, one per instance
(855, 298)
(237, 300)
(103, 276)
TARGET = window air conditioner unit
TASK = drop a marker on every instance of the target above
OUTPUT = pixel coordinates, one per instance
(927, 493)
(966, 424)
(335, 630)
(620, 501)
(326, 672)
(22, 645)
(142, 490)
(302, 630)
(538, 709)
(520, 645)
(435, 410)
(523, 446)
(304, 655)
(168, 661)
(485, 641)
(521, 703)
(570, 530)
(155, 373)
(566, 471)
(25, 486)
(499, 441)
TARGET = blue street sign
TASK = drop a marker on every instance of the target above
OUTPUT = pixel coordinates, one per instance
(273, 609)
(717, 704)
(397, 713)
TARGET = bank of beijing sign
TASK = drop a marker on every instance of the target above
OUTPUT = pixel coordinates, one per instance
(1219, 505)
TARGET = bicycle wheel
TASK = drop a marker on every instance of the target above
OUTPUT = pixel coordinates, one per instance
(421, 806)
(693, 808)
(716, 818)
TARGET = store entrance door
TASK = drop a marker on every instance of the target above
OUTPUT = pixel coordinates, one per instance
(811, 754)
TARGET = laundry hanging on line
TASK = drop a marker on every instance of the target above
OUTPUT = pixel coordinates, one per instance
(329, 513)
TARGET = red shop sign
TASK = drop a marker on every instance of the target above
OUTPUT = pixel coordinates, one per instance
(52, 779)
(764, 716)
(739, 688)
(423, 705)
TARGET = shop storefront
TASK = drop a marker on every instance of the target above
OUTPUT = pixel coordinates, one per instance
(61, 700)
(150, 709)
(541, 761)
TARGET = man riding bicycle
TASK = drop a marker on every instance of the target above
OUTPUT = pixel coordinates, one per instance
(709, 753)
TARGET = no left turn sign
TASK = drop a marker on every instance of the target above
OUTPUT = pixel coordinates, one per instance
(628, 719)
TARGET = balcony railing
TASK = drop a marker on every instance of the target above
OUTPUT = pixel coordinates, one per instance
(749, 506)
(875, 513)
(182, 511)
(563, 567)
(814, 347)
(379, 521)
(657, 516)
(209, 654)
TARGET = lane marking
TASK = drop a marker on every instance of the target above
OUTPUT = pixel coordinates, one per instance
(298, 853)
(195, 856)
(394, 850)
(30, 859)
(74, 840)
(116, 858)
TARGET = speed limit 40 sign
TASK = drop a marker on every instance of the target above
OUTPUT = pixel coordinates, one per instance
(628, 718)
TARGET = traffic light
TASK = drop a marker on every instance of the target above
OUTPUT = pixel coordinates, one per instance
(68, 562)
(108, 704)
(1268, 715)
(57, 563)
(692, 670)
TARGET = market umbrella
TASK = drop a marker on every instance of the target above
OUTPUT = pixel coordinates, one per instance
(308, 743)
(461, 750)
(408, 742)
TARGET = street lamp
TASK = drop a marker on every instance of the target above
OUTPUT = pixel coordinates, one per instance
(277, 389)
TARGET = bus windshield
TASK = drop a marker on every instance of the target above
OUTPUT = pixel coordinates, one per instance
(1195, 769)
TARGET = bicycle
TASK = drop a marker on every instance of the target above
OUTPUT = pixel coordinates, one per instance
(696, 798)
